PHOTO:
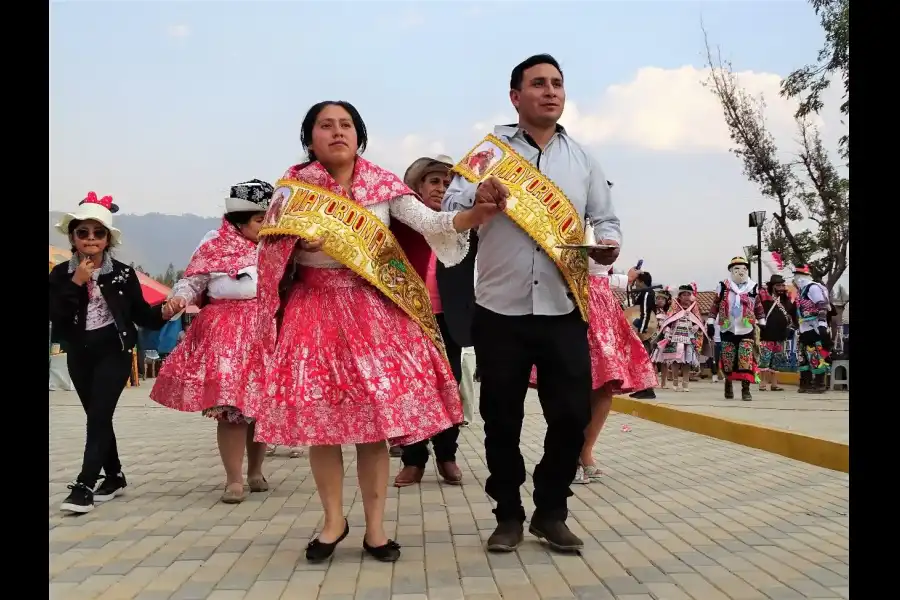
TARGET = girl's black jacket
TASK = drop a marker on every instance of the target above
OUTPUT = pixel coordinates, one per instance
(122, 291)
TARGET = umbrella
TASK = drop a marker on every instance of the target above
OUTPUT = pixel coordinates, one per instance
(153, 291)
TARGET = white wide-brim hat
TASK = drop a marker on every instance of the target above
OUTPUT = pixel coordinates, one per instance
(91, 211)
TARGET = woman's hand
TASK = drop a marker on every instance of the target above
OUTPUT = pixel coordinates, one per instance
(632, 275)
(307, 246)
(84, 271)
(173, 306)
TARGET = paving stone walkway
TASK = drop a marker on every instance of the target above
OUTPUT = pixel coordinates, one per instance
(678, 516)
(825, 416)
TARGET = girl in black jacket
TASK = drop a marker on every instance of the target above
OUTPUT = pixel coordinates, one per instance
(95, 302)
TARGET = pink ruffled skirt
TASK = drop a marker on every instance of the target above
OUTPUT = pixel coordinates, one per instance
(618, 358)
(207, 368)
(349, 367)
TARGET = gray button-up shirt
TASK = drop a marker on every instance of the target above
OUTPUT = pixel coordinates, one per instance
(516, 277)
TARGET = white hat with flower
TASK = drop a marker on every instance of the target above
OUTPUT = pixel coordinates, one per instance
(93, 208)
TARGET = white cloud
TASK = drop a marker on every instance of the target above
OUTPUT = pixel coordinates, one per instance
(486, 127)
(178, 31)
(670, 110)
(396, 154)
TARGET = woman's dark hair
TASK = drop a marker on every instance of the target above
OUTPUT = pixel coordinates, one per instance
(645, 278)
(242, 217)
(74, 223)
(309, 123)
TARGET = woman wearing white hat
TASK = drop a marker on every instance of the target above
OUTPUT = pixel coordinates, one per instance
(204, 372)
(95, 302)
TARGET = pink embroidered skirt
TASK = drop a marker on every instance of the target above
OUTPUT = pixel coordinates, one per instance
(206, 369)
(618, 357)
(349, 367)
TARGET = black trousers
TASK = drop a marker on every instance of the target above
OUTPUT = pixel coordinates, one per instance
(99, 369)
(507, 348)
(444, 443)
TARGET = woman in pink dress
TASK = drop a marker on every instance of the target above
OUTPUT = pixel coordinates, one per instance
(619, 361)
(206, 369)
(343, 363)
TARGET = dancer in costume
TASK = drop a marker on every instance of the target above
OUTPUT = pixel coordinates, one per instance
(95, 302)
(429, 178)
(663, 304)
(349, 349)
(205, 372)
(532, 297)
(738, 310)
(681, 342)
(619, 361)
(814, 344)
(780, 318)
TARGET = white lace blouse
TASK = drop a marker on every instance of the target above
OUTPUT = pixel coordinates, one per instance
(436, 227)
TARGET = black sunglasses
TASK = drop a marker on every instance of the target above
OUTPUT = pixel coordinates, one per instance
(85, 233)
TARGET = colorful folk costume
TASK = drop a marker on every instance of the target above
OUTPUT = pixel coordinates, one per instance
(349, 351)
(814, 343)
(681, 336)
(205, 371)
(739, 312)
(780, 314)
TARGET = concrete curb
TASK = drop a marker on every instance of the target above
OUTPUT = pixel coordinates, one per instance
(805, 448)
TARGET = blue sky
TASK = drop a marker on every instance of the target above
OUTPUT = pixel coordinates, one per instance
(166, 104)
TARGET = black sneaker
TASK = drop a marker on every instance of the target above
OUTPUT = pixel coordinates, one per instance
(110, 488)
(556, 533)
(647, 394)
(80, 501)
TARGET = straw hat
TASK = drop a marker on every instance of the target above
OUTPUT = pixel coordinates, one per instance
(424, 165)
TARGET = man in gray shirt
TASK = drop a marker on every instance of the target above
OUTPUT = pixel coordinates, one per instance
(525, 314)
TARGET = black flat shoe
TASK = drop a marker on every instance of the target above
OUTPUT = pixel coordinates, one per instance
(389, 552)
(317, 551)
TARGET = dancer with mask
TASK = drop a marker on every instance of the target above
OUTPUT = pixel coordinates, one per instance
(814, 344)
(739, 312)
(205, 372)
(780, 315)
(681, 331)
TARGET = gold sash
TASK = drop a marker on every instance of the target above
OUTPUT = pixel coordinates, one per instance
(357, 239)
(536, 205)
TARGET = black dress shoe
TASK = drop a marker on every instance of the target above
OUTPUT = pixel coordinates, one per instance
(318, 551)
(389, 552)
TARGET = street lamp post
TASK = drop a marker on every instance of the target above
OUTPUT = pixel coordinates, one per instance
(757, 219)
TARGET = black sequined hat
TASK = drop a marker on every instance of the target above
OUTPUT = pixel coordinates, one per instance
(253, 195)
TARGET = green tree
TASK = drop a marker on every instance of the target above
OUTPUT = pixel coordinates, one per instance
(811, 223)
(809, 82)
(169, 277)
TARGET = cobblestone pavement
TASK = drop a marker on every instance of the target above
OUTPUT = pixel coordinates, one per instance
(678, 516)
(825, 416)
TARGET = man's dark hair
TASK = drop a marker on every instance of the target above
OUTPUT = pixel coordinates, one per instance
(645, 278)
(518, 72)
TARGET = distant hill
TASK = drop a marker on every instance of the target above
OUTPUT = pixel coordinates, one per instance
(153, 240)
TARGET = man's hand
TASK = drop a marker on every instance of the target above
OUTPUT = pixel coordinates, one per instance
(632, 275)
(492, 191)
(605, 257)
